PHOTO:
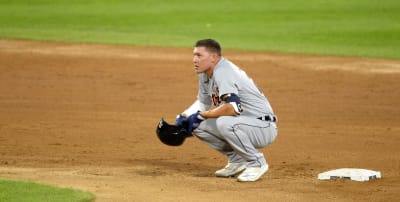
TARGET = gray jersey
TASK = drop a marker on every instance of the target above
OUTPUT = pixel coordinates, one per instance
(228, 78)
(237, 137)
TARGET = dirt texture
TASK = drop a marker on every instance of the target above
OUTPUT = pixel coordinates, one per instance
(84, 116)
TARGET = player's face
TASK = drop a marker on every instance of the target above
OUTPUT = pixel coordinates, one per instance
(203, 60)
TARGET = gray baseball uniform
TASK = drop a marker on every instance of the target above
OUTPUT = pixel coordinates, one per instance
(239, 136)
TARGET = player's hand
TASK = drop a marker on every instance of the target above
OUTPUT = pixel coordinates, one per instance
(180, 120)
(194, 121)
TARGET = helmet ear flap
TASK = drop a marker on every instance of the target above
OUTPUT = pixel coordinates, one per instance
(171, 135)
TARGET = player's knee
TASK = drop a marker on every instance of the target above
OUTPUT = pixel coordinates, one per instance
(199, 133)
(225, 125)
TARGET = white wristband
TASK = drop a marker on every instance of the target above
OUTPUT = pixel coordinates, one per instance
(196, 106)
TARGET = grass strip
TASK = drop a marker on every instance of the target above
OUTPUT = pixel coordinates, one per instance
(15, 191)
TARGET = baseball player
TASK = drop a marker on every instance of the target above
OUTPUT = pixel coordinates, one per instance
(231, 114)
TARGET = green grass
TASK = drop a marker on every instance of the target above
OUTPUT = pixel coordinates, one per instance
(13, 191)
(367, 28)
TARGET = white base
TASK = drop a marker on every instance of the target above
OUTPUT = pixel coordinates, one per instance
(350, 173)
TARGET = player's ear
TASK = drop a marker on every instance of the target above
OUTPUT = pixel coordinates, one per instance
(215, 57)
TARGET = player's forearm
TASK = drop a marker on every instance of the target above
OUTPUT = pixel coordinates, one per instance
(196, 106)
(223, 110)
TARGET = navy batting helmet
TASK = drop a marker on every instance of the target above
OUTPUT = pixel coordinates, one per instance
(171, 135)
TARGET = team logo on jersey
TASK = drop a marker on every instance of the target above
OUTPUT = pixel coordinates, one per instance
(215, 98)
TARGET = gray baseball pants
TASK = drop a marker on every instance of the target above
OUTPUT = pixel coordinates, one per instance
(238, 137)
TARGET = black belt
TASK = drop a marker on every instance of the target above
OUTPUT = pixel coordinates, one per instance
(271, 118)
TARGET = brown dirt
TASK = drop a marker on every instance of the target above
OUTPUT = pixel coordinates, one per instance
(84, 116)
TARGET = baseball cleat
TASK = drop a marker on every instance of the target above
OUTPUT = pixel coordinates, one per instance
(230, 170)
(252, 174)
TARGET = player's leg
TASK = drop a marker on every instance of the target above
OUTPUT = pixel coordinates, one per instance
(209, 134)
(245, 135)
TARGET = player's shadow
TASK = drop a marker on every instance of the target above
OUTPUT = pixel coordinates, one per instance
(162, 167)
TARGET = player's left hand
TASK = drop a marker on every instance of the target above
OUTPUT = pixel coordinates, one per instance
(180, 120)
(194, 121)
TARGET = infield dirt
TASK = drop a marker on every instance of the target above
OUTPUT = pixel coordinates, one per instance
(84, 116)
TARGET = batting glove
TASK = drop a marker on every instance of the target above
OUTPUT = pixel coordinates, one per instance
(180, 120)
(194, 121)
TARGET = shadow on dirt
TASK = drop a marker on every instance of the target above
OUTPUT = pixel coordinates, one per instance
(162, 167)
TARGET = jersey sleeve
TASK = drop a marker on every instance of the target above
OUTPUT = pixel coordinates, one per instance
(226, 81)
(203, 95)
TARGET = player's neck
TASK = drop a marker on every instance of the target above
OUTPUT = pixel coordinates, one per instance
(210, 70)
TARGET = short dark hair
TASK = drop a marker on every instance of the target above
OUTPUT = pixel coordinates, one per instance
(210, 44)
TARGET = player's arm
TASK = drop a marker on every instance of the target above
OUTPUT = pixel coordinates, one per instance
(231, 107)
(222, 110)
(196, 106)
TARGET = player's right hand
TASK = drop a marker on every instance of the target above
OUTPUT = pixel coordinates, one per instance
(194, 121)
(180, 119)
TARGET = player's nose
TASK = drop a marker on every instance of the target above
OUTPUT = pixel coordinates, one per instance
(195, 60)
